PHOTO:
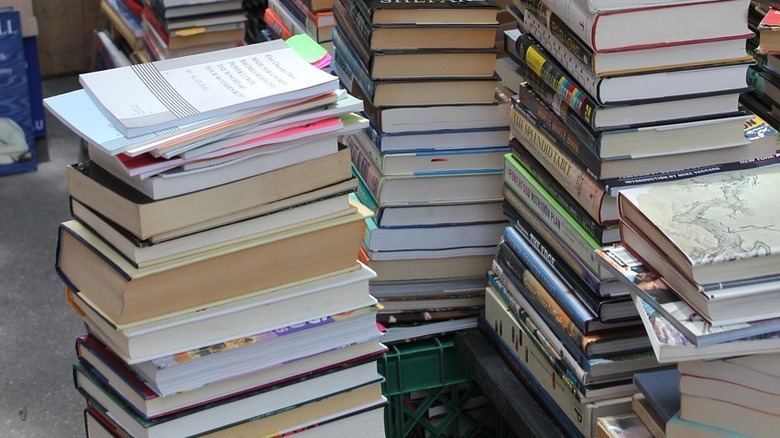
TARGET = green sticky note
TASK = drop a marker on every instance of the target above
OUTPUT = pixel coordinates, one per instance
(305, 46)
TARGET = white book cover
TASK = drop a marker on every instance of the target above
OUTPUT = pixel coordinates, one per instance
(147, 97)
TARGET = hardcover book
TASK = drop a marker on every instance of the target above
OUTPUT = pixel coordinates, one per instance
(652, 26)
(414, 37)
(671, 346)
(478, 12)
(647, 284)
(714, 228)
(128, 294)
(205, 86)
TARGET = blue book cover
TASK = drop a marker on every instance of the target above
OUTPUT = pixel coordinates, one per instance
(17, 144)
(662, 390)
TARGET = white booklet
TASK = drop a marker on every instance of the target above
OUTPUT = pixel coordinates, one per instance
(143, 98)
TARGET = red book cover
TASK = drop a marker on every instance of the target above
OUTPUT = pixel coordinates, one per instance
(771, 20)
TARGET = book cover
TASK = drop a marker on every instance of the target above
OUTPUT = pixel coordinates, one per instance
(671, 346)
(661, 388)
(651, 287)
(713, 228)
(204, 85)
(17, 140)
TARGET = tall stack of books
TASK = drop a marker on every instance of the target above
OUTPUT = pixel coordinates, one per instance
(222, 299)
(173, 28)
(700, 257)
(430, 162)
(615, 95)
(285, 18)
(764, 76)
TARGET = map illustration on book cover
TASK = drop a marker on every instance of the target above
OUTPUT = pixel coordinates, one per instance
(718, 227)
(17, 144)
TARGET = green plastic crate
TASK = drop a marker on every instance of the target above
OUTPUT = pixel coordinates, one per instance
(432, 370)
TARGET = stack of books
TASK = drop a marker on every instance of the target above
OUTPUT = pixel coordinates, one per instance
(700, 257)
(430, 162)
(173, 28)
(285, 18)
(124, 27)
(764, 76)
(226, 299)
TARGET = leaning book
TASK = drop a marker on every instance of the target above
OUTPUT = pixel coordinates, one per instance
(162, 94)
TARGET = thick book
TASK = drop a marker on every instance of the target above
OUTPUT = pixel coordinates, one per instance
(423, 160)
(137, 393)
(415, 36)
(646, 283)
(425, 118)
(259, 404)
(562, 41)
(204, 85)
(17, 140)
(144, 252)
(431, 188)
(689, 221)
(152, 220)
(450, 141)
(671, 346)
(732, 417)
(721, 303)
(661, 389)
(758, 371)
(759, 399)
(431, 268)
(127, 294)
(652, 26)
(398, 12)
(445, 236)
(168, 334)
(508, 396)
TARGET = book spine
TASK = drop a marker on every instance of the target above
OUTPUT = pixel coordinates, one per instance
(275, 24)
(523, 348)
(568, 202)
(540, 235)
(561, 292)
(349, 62)
(510, 270)
(572, 13)
(361, 22)
(491, 373)
(538, 199)
(551, 46)
(286, 17)
(573, 374)
(365, 167)
(348, 32)
(342, 40)
(556, 133)
(359, 7)
(543, 16)
(539, 66)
